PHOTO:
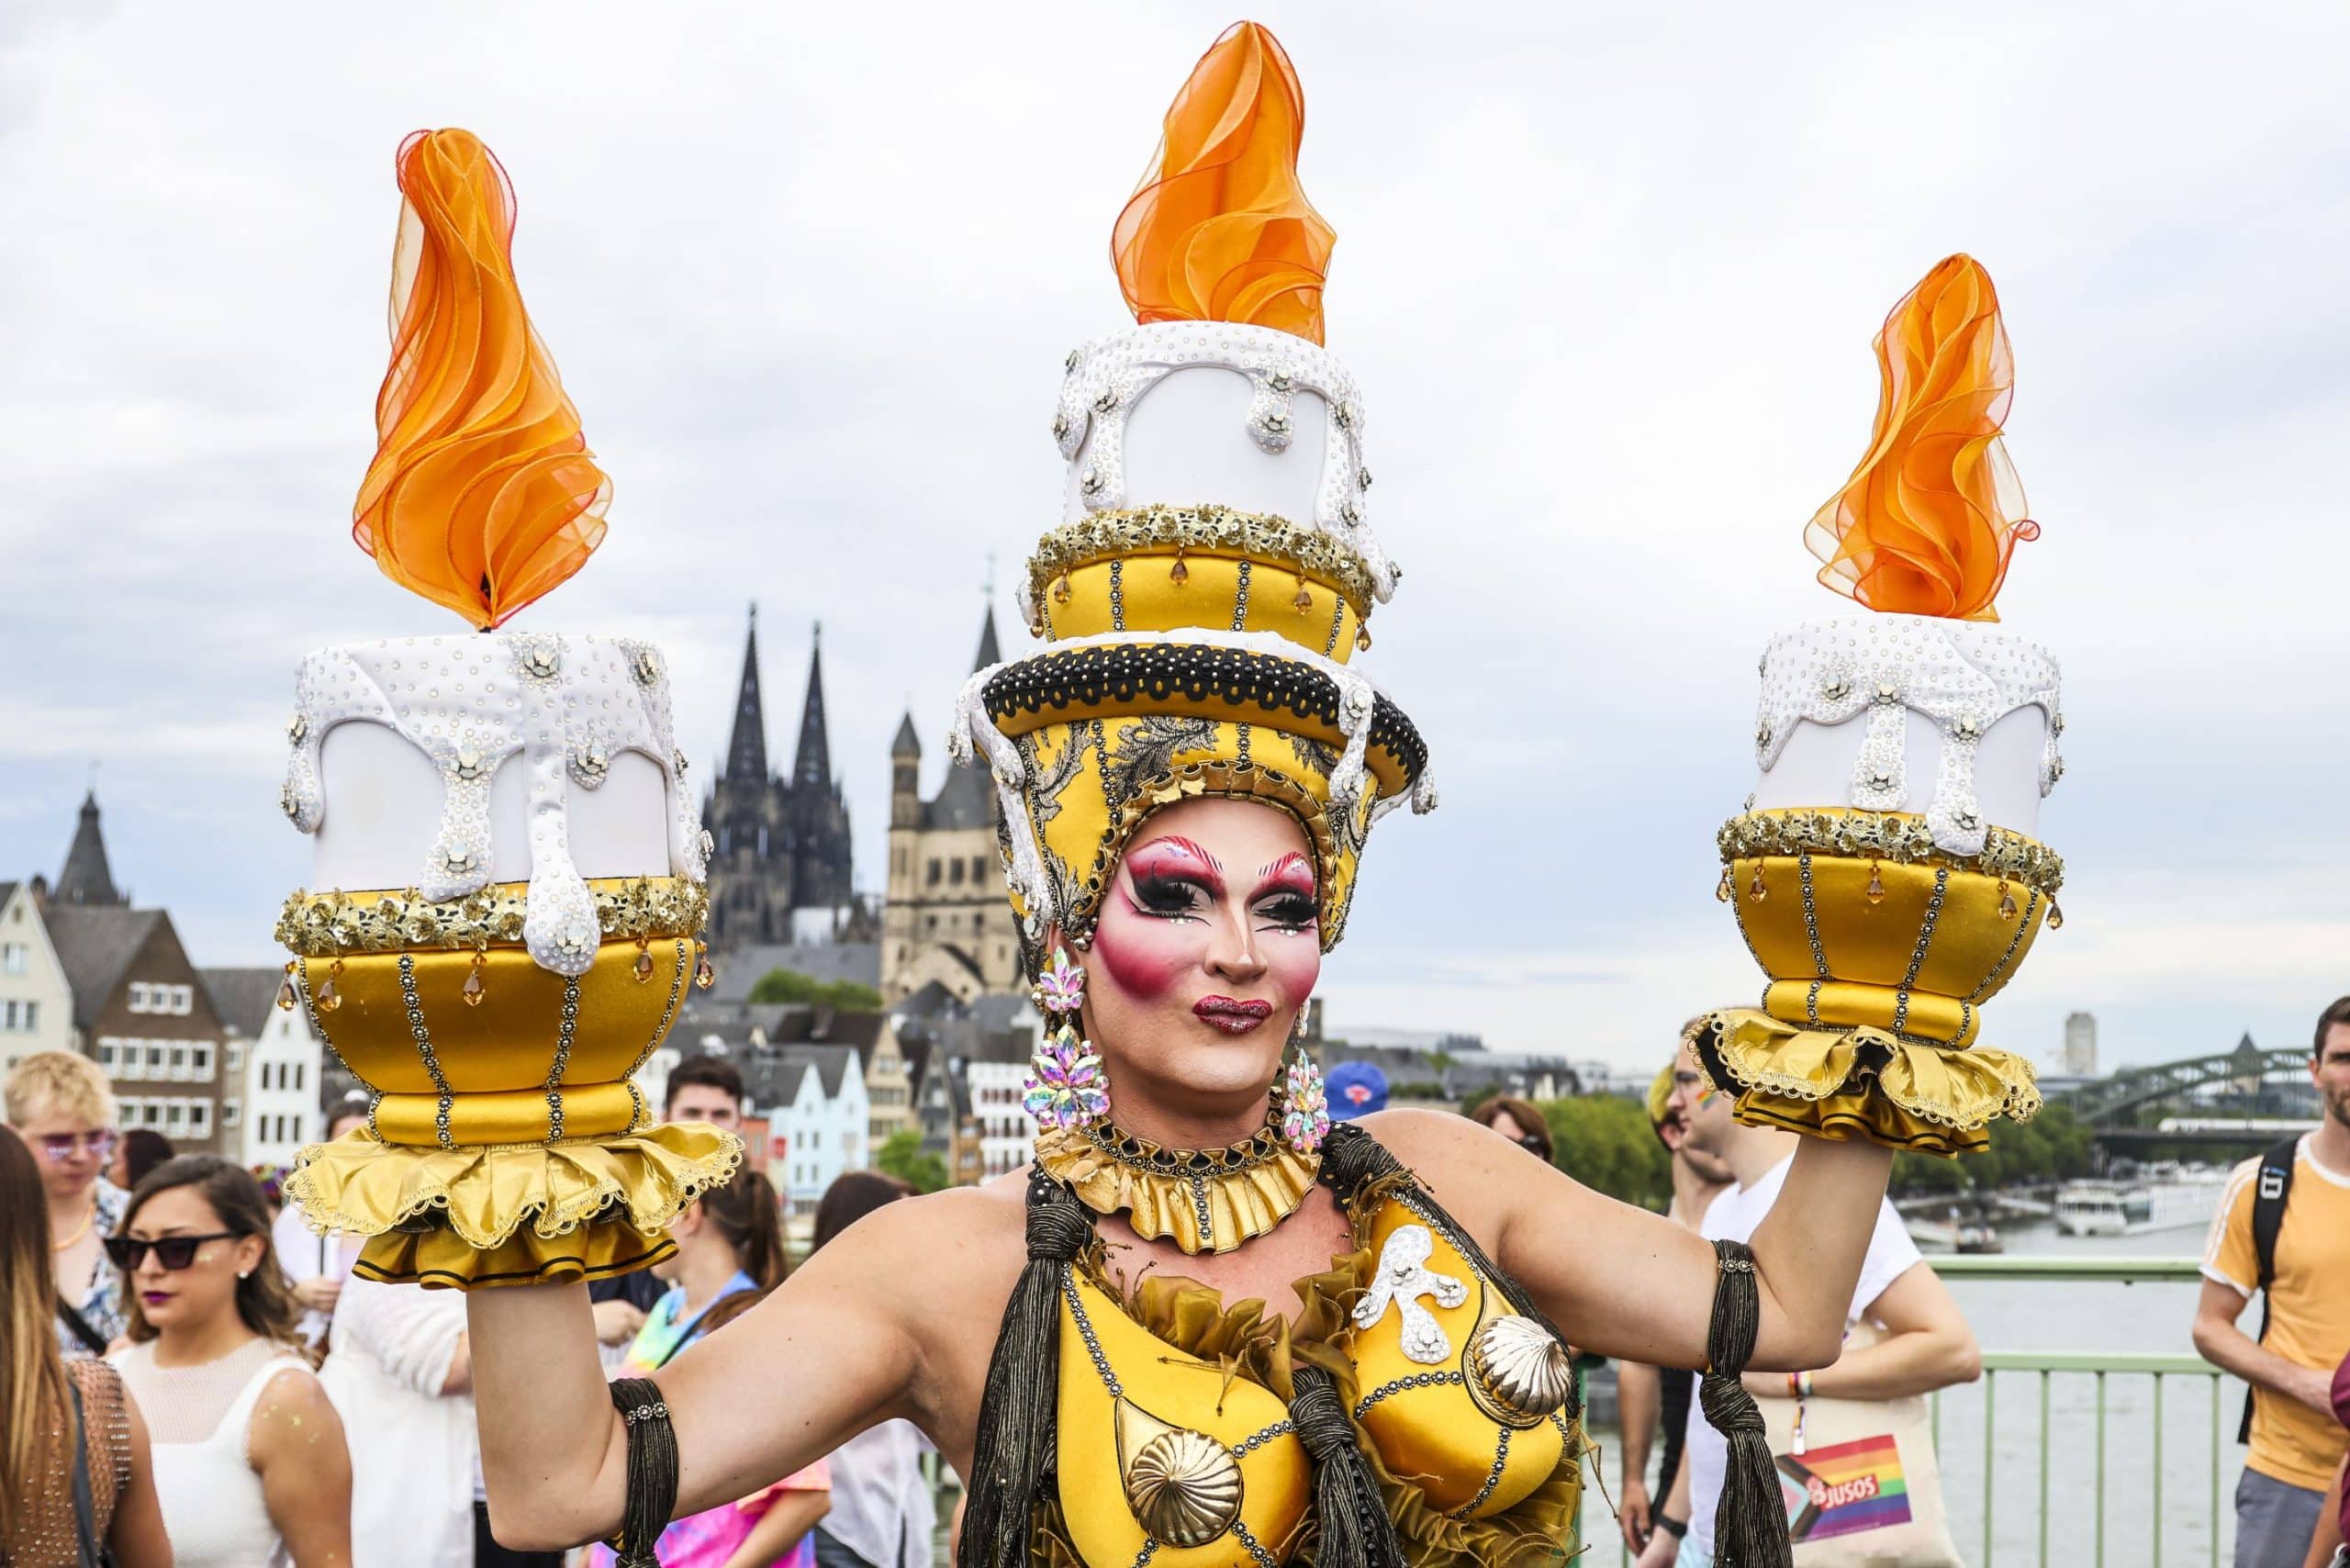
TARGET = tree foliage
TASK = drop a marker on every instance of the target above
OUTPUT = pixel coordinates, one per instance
(902, 1157)
(1605, 1142)
(790, 985)
(2052, 1147)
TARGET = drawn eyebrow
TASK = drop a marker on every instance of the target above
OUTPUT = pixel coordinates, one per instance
(1267, 873)
(1186, 847)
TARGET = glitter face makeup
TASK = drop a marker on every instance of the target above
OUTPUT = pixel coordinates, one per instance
(1206, 948)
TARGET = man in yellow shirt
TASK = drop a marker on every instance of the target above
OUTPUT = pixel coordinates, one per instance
(2297, 1445)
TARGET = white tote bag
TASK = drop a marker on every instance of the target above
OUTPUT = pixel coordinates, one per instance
(1860, 1485)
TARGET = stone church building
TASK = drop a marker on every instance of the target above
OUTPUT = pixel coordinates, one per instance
(781, 870)
(945, 917)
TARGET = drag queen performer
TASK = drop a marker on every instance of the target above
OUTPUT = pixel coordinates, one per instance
(1206, 1327)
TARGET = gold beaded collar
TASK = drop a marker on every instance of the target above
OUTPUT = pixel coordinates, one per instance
(1203, 1200)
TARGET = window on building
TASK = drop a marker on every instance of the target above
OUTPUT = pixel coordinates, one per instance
(300, 1072)
(32, 1014)
(157, 1059)
(14, 958)
(232, 1113)
(108, 1052)
(8, 1014)
(139, 996)
(175, 1116)
(932, 875)
(235, 1059)
(199, 1061)
(182, 999)
(179, 1062)
(978, 867)
(954, 873)
(199, 1118)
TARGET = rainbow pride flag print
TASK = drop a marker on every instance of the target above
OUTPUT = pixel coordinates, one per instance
(1838, 1490)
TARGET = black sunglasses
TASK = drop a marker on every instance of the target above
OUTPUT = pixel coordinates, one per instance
(173, 1252)
(1534, 1143)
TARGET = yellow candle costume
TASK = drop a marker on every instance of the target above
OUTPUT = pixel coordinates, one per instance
(1200, 604)
(515, 868)
(1886, 875)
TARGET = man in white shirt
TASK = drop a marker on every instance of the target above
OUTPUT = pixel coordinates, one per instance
(1927, 1344)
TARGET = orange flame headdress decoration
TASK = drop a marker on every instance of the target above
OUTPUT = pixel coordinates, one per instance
(1220, 230)
(483, 495)
(1927, 522)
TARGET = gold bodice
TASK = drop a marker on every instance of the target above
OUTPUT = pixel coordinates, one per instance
(1175, 1443)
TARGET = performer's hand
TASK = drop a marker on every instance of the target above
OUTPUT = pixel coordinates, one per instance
(319, 1294)
(1661, 1551)
(1633, 1512)
(617, 1322)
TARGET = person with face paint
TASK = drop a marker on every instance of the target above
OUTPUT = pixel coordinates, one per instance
(1205, 1326)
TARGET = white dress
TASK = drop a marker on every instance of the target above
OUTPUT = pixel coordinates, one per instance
(199, 1424)
(412, 1448)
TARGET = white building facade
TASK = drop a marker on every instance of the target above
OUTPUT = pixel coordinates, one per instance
(819, 1128)
(35, 1003)
(281, 1110)
(1006, 1134)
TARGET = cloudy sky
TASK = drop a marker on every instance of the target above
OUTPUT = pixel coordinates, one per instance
(1608, 273)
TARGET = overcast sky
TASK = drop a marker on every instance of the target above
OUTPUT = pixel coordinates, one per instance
(1608, 274)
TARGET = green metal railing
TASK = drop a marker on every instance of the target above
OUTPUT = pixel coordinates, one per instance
(1598, 1525)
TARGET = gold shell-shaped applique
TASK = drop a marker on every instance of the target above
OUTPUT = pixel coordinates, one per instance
(1522, 1371)
(1183, 1487)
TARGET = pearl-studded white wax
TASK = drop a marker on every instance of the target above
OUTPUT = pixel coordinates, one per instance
(1957, 721)
(447, 763)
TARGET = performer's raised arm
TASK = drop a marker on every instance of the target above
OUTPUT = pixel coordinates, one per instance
(867, 1330)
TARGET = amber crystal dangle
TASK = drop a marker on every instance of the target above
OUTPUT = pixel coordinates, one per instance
(704, 975)
(329, 996)
(2007, 901)
(473, 988)
(1757, 888)
(286, 995)
(1876, 882)
(643, 970)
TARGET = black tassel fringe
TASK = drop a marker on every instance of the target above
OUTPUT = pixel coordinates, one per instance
(1018, 1413)
(1355, 1531)
(1750, 1525)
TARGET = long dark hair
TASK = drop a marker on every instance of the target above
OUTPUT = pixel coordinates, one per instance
(265, 1300)
(852, 1196)
(33, 1396)
(746, 1214)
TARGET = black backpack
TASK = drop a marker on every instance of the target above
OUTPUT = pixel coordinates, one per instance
(2275, 1185)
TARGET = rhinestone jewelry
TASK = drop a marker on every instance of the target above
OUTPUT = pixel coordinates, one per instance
(1403, 1277)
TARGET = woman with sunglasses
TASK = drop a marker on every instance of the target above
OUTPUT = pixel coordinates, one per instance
(60, 1417)
(1518, 1122)
(249, 1454)
(60, 1104)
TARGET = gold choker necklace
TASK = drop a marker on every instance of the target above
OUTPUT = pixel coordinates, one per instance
(1203, 1200)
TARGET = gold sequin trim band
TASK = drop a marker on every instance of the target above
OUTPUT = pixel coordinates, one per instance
(325, 925)
(1898, 836)
(1211, 529)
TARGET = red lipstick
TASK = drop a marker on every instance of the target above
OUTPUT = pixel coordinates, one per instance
(1232, 1017)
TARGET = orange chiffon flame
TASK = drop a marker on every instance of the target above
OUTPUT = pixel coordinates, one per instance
(1927, 522)
(483, 495)
(1220, 230)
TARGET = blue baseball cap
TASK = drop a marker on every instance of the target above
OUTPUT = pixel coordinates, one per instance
(1356, 1089)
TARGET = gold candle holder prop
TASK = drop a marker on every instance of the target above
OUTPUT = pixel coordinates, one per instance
(1881, 950)
(505, 1142)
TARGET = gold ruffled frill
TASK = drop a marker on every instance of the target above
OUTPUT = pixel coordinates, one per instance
(1248, 1341)
(511, 1214)
(1245, 1200)
(1862, 1083)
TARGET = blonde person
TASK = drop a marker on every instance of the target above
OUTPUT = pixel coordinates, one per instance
(248, 1456)
(60, 1104)
(1654, 1401)
(59, 1417)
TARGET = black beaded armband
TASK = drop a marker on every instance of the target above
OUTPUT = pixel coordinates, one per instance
(652, 1472)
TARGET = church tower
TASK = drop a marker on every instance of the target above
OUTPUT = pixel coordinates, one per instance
(945, 917)
(781, 871)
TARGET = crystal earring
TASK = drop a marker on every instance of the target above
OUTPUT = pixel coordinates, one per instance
(1304, 1104)
(1065, 1088)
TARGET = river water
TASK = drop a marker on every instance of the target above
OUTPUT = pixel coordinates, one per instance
(2087, 1317)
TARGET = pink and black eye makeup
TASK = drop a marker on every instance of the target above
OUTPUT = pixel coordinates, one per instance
(1173, 878)
(1284, 898)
